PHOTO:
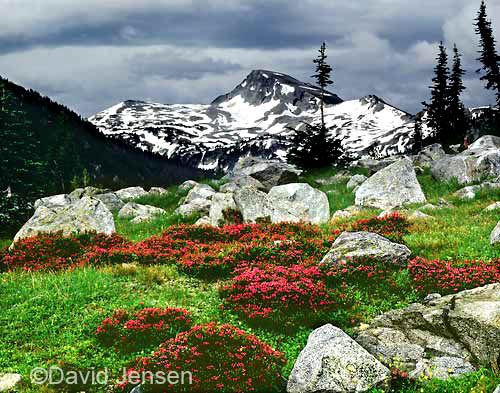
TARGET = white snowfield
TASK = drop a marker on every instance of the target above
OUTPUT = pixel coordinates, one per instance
(259, 109)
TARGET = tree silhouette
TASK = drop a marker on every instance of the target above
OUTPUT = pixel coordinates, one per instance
(488, 54)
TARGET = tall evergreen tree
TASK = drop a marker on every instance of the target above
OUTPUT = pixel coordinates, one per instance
(459, 121)
(322, 77)
(21, 167)
(312, 147)
(437, 109)
(488, 54)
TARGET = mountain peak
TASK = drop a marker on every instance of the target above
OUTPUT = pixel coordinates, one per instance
(261, 86)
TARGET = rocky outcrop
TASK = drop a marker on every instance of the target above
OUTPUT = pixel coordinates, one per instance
(333, 362)
(157, 190)
(111, 201)
(373, 165)
(188, 185)
(269, 173)
(366, 245)
(348, 212)
(481, 159)
(198, 200)
(55, 201)
(86, 214)
(446, 337)
(395, 185)
(356, 181)
(130, 193)
(495, 235)
(240, 182)
(303, 195)
(470, 192)
(221, 202)
(88, 191)
(429, 154)
(288, 203)
(139, 212)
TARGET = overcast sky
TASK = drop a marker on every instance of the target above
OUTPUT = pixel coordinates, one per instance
(92, 54)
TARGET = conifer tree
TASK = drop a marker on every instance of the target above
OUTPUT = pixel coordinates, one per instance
(312, 147)
(437, 109)
(488, 54)
(459, 122)
(322, 77)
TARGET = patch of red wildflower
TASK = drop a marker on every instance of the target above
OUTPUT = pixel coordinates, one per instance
(394, 226)
(281, 296)
(221, 358)
(53, 251)
(446, 277)
(139, 329)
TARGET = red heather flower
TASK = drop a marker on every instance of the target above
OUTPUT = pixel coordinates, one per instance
(142, 328)
(221, 358)
(448, 277)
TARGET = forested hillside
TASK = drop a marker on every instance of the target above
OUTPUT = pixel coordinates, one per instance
(48, 149)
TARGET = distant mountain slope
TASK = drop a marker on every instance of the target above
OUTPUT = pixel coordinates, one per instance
(254, 117)
(70, 145)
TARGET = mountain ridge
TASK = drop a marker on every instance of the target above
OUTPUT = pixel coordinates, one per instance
(255, 117)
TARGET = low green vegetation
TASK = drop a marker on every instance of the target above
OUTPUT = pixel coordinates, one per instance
(50, 318)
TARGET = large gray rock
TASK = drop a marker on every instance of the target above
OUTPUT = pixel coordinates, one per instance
(374, 165)
(88, 191)
(302, 194)
(356, 181)
(333, 362)
(134, 210)
(9, 381)
(470, 192)
(111, 201)
(240, 182)
(357, 245)
(447, 336)
(289, 203)
(130, 193)
(198, 200)
(269, 173)
(253, 204)
(199, 191)
(188, 185)
(220, 203)
(55, 201)
(429, 154)
(481, 159)
(395, 185)
(157, 191)
(495, 235)
(86, 214)
(195, 206)
(486, 142)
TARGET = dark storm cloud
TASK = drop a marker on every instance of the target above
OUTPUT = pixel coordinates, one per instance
(93, 54)
(167, 64)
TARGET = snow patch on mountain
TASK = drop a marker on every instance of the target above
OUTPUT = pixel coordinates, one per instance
(254, 118)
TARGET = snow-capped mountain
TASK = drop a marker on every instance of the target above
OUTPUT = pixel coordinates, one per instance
(255, 118)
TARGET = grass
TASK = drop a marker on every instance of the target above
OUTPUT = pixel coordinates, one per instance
(50, 318)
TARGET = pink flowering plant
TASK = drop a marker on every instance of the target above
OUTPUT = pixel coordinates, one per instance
(142, 328)
(221, 358)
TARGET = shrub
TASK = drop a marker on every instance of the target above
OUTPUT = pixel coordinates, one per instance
(393, 226)
(50, 251)
(53, 251)
(143, 328)
(448, 277)
(280, 296)
(363, 272)
(221, 358)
